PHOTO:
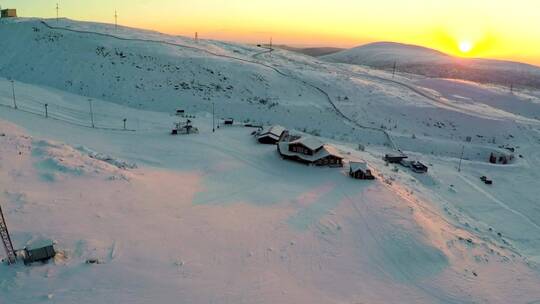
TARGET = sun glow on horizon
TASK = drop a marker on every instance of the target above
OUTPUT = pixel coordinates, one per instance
(465, 46)
(485, 29)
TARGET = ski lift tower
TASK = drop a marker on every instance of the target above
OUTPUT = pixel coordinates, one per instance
(6, 239)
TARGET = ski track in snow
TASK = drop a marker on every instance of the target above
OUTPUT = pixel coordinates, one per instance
(499, 202)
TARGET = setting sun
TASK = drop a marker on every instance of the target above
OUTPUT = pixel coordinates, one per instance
(465, 46)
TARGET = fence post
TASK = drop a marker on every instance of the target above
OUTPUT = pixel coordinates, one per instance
(460, 158)
(13, 90)
(46, 111)
(91, 112)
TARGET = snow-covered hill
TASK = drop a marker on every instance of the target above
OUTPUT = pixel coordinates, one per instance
(424, 61)
(311, 51)
(219, 218)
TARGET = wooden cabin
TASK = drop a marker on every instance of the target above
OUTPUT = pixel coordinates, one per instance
(42, 254)
(270, 135)
(8, 13)
(309, 151)
(360, 170)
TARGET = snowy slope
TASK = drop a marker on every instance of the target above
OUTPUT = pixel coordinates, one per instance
(218, 218)
(432, 63)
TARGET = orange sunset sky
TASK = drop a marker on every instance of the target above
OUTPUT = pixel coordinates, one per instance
(497, 29)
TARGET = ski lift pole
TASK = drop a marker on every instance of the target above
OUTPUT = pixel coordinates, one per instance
(460, 158)
(213, 118)
(91, 112)
(13, 91)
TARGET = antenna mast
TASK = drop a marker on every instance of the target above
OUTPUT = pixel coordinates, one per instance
(57, 8)
(6, 239)
(115, 20)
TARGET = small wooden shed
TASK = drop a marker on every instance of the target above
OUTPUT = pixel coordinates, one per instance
(418, 167)
(360, 170)
(395, 158)
(42, 254)
(8, 13)
(271, 135)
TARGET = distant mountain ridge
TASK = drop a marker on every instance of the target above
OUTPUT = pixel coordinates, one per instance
(432, 63)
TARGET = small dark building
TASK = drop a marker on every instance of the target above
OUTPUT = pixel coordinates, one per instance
(8, 13)
(360, 170)
(271, 135)
(184, 128)
(486, 180)
(418, 167)
(42, 254)
(228, 121)
(492, 158)
(395, 158)
(180, 112)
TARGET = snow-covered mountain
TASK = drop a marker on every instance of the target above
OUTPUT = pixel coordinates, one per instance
(216, 217)
(428, 62)
(312, 51)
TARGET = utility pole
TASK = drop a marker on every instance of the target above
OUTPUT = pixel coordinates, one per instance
(460, 158)
(115, 20)
(13, 90)
(270, 42)
(213, 118)
(46, 111)
(394, 70)
(91, 112)
(57, 8)
(196, 36)
(6, 240)
(125, 119)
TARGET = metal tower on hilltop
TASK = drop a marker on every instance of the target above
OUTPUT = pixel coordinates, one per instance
(6, 239)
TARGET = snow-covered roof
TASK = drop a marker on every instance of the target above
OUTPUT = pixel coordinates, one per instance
(274, 131)
(309, 142)
(324, 152)
(357, 165)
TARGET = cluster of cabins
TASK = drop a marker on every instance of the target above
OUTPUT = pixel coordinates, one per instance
(309, 150)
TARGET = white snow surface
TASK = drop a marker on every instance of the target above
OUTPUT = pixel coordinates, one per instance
(219, 218)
